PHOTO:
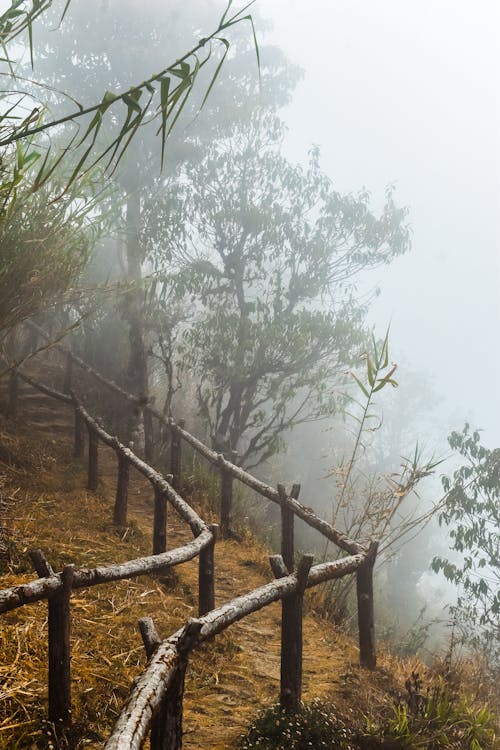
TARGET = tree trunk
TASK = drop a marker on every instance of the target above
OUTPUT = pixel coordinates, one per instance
(137, 365)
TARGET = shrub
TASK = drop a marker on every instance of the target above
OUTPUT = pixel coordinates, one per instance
(431, 719)
(315, 725)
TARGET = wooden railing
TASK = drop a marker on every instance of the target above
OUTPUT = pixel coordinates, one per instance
(156, 699)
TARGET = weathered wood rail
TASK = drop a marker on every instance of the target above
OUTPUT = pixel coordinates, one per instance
(167, 663)
(156, 700)
(57, 587)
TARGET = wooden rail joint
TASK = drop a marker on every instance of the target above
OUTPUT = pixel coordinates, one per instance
(189, 636)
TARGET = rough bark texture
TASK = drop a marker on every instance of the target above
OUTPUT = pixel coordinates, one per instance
(291, 640)
(366, 617)
(306, 514)
(59, 628)
(134, 720)
(206, 575)
(287, 526)
(160, 523)
(176, 455)
(17, 596)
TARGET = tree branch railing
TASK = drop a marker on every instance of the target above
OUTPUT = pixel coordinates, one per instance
(57, 587)
(166, 662)
(289, 504)
(156, 700)
(227, 468)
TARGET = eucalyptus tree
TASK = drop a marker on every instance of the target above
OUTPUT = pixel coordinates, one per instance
(268, 255)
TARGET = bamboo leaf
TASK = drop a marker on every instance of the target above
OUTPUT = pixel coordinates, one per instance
(221, 22)
(369, 370)
(132, 101)
(360, 384)
(217, 70)
(65, 10)
(385, 350)
(164, 93)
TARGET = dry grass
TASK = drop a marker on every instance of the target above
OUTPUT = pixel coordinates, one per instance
(228, 680)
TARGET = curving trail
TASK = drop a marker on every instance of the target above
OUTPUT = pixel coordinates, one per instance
(227, 681)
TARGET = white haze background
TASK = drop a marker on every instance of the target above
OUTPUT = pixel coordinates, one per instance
(407, 92)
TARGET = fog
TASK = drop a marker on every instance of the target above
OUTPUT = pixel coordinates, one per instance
(408, 93)
(393, 93)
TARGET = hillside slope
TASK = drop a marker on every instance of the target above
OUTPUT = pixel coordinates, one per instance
(45, 505)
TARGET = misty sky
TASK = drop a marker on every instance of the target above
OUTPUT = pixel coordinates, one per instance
(407, 92)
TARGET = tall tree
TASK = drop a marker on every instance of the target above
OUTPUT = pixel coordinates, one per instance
(109, 46)
(269, 258)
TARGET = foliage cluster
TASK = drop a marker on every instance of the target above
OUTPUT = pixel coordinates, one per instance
(265, 254)
(46, 164)
(45, 241)
(314, 725)
(431, 719)
(471, 510)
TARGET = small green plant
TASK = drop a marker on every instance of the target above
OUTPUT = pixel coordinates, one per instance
(315, 725)
(431, 719)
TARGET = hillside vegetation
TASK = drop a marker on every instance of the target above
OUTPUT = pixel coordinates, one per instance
(44, 505)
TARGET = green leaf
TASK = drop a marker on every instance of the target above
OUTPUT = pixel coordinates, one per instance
(360, 384)
(131, 100)
(164, 94)
(217, 70)
(369, 370)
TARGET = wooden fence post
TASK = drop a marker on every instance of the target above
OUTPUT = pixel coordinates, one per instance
(151, 642)
(206, 575)
(366, 622)
(79, 435)
(13, 394)
(68, 374)
(166, 727)
(59, 630)
(176, 455)
(291, 634)
(226, 497)
(93, 459)
(121, 499)
(160, 523)
(287, 526)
